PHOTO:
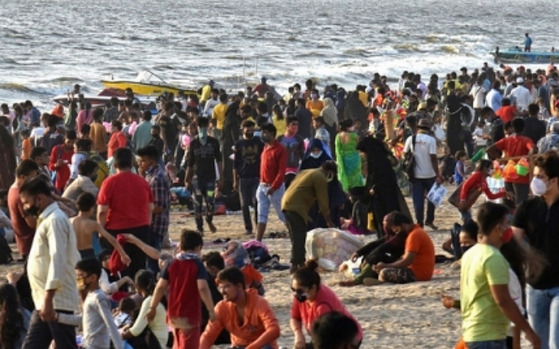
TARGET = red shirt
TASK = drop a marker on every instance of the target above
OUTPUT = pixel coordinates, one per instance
(515, 146)
(476, 180)
(128, 197)
(63, 172)
(506, 113)
(325, 302)
(118, 140)
(272, 165)
(183, 307)
(23, 232)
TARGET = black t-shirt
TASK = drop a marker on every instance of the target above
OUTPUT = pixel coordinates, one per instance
(203, 157)
(169, 132)
(534, 129)
(541, 225)
(247, 157)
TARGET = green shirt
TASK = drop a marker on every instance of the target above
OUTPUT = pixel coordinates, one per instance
(307, 187)
(482, 320)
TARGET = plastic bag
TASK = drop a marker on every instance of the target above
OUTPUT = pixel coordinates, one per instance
(436, 194)
(331, 247)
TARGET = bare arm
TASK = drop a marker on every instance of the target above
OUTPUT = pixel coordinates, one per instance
(102, 211)
(297, 329)
(105, 234)
(159, 292)
(502, 297)
(150, 251)
(206, 296)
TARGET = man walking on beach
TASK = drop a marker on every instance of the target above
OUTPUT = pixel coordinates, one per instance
(272, 174)
(246, 171)
(50, 268)
(202, 158)
(536, 223)
(426, 171)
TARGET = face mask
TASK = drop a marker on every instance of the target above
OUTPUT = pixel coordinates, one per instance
(465, 248)
(203, 134)
(32, 211)
(249, 135)
(538, 186)
(301, 297)
(82, 286)
(265, 138)
(316, 155)
(507, 235)
(314, 95)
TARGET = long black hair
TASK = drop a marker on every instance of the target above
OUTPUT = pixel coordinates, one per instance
(11, 321)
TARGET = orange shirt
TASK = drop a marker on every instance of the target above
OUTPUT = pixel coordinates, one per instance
(98, 135)
(259, 327)
(420, 242)
(26, 147)
(506, 113)
(315, 107)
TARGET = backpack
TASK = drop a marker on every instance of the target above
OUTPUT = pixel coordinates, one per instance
(102, 168)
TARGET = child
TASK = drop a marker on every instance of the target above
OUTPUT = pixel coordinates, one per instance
(186, 279)
(460, 169)
(85, 228)
(125, 311)
(26, 145)
(98, 328)
(447, 163)
(113, 285)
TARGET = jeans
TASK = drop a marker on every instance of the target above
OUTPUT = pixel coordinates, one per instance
(543, 314)
(155, 242)
(248, 187)
(495, 344)
(203, 190)
(41, 333)
(265, 201)
(420, 187)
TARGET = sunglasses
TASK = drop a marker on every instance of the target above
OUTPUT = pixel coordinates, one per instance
(297, 290)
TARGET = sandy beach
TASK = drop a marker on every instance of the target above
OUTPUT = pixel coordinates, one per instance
(392, 316)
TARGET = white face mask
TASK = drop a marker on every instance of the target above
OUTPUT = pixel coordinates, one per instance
(316, 155)
(538, 186)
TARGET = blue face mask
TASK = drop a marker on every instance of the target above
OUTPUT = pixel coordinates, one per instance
(203, 134)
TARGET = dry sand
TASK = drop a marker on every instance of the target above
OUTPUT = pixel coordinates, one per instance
(392, 316)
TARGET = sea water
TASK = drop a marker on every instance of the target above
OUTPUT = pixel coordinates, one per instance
(49, 45)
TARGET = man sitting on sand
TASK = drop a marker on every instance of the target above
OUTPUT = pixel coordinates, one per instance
(418, 261)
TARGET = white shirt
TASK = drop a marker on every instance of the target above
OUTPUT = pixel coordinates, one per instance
(52, 260)
(478, 93)
(98, 325)
(522, 97)
(425, 146)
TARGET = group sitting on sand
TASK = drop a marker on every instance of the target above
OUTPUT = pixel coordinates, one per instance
(90, 192)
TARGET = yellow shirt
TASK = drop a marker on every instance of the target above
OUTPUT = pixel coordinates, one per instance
(219, 114)
(315, 107)
(280, 125)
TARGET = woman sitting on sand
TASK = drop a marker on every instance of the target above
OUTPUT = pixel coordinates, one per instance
(311, 301)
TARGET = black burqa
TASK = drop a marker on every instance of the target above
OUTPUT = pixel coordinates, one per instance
(382, 178)
(231, 134)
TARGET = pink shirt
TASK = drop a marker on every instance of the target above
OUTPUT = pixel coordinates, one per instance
(326, 301)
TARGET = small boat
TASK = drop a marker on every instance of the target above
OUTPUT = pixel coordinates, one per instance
(146, 85)
(104, 97)
(517, 55)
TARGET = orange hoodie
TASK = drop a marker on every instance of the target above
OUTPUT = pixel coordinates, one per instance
(259, 328)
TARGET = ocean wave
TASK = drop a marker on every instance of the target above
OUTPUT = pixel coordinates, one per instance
(14, 86)
(407, 47)
(450, 49)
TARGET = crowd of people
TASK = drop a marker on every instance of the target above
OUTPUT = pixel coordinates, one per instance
(82, 181)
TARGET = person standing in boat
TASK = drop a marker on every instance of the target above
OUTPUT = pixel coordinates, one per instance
(527, 43)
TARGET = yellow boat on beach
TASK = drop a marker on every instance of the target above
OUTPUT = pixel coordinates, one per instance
(146, 85)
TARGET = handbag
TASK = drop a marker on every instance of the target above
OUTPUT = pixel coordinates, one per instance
(408, 164)
(454, 198)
